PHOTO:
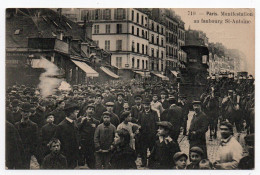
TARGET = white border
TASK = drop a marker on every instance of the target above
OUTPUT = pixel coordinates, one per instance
(125, 4)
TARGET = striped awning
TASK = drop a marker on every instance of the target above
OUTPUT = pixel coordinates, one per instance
(174, 73)
(143, 74)
(86, 68)
(108, 72)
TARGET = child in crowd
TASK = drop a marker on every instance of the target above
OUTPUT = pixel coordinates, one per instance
(205, 164)
(54, 160)
(180, 160)
(196, 154)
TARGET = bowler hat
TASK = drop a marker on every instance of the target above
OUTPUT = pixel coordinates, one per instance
(197, 150)
(178, 155)
(70, 107)
(120, 93)
(165, 124)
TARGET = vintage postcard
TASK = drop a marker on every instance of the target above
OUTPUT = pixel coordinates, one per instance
(130, 88)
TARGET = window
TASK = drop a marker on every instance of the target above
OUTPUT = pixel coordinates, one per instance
(157, 40)
(108, 28)
(162, 42)
(162, 54)
(138, 63)
(133, 62)
(107, 14)
(137, 17)
(133, 30)
(158, 28)
(146, 35)
(152, 50)
(118, 28)
(152, 26)
(152, 65)
(142, 64)
(157, 53)
(120, 14)
(137, 31)
(146, 64)
(162, 67)
(119, 62)
(143, 33)
(152, 39)
(97, 14)
(167, 37)
(107, 45)
(157, 65)
(133, 46)
(146, 49)
(138, 47)
(162, 30)
(142, 49)
(97, 42)
(96, 29)
(133, 15)
(118, 45)
(142, 20)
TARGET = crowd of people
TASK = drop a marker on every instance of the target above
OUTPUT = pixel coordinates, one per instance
(107, 126)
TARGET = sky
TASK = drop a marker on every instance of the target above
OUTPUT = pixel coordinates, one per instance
(233, 36)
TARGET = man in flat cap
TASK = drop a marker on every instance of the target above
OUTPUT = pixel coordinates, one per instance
(198, 128)
(87, 125)
(137, 108)
(28, 131)
(230, 151)
(15, 111)
(99, 107)
(67, 133)
(147, 120)
(164, 149)
(114, 119)
(119, 104)
(163, 100)
(103, 139)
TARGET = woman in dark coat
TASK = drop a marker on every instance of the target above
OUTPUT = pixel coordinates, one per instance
(123, 156)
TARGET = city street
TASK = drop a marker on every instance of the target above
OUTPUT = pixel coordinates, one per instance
(212, 147)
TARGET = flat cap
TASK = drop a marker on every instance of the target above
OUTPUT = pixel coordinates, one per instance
(197, 150)
(106, 113)
(196, 102)
(91, 105)
(165, 124)
(138, 96)
(110, 103)
(178, 155)
(26, 107)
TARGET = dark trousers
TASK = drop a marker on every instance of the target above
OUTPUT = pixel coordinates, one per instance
(87, 154)
(102, 160)
(143, 150)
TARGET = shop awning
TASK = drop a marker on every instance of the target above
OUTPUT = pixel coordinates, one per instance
(143, 74)
(161, 76)
(174, 73)
(108, 72)
(86, 68)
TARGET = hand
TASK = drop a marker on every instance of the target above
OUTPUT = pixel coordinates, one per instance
(218, 165)
(193, 132)
(99, 151)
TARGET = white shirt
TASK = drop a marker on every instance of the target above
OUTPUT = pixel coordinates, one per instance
(229, 153)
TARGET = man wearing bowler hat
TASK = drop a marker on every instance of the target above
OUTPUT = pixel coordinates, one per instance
(67, 133)
(198, 128)
(28, 131)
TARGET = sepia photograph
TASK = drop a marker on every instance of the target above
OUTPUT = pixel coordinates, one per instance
(129, 88)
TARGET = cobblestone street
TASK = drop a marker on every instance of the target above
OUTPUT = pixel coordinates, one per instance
(212, 147)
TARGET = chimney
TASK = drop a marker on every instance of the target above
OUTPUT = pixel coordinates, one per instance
(87, 28)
